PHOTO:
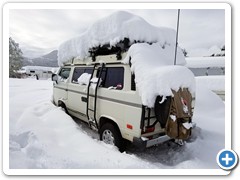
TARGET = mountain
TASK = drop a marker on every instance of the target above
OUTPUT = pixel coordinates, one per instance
(52, 55)
(48, 60)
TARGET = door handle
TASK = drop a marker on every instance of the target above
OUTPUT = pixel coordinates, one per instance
(84, 99)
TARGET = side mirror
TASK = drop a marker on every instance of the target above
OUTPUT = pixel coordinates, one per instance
(55, 78)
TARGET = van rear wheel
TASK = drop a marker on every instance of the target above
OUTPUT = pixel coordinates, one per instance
(64, 108)
(109, 134)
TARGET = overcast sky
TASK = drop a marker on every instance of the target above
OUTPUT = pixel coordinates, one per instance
(40, 31)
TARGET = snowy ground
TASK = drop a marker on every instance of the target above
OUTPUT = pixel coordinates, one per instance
(43, 136)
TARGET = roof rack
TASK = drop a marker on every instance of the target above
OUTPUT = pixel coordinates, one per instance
(106, 53)
(112, 58)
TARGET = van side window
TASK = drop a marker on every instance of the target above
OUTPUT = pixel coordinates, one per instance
(78, 71)
(64, 73)
(112, 76)
(76, 74)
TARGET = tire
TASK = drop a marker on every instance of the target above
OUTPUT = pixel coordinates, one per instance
(162, 110)
(109, 134)
(63, 106)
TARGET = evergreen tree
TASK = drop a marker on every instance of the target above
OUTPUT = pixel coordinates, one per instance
(15, 58)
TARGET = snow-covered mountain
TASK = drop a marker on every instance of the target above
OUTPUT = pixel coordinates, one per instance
(48, 60)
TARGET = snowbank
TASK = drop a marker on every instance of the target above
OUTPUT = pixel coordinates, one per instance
(44, 136)
(209, 115)
(50, 138)
(205, 62)
(113, 29)
(214, 83)
(155, 73)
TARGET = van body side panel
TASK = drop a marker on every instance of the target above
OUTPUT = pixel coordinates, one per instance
(60, 93)
(124, 107)
(75, 103)
(60, 88)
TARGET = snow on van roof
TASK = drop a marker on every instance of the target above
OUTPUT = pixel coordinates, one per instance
(155, 73)
(111, 30)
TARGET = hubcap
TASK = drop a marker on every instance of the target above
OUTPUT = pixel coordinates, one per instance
(108, 137)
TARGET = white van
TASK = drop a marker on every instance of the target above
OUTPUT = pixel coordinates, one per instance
(110, 103)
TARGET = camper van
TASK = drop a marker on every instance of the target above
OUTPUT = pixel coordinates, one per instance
(39, 72)
(102, 92)
(126, 83)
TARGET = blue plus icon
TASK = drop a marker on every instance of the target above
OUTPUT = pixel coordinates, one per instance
(227, 159)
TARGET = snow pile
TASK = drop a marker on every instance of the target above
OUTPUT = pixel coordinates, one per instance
(43, 136)
(47, 138)
(155, 73)
(111, 30)
(209, 116)
(205, 62)
(214, 83)
(209, 110)
(84, 79)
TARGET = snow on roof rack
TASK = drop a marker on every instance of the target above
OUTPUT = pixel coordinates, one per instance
(112, 30)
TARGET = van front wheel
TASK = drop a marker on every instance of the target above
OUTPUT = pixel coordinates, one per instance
(109, 134)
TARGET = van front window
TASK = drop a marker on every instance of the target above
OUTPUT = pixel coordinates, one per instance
(64, 73)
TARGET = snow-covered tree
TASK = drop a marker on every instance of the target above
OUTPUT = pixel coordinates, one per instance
(15, 58)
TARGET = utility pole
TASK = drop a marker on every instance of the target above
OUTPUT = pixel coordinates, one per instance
(175, 58)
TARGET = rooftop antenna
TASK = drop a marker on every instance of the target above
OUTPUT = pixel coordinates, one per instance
(175, 58)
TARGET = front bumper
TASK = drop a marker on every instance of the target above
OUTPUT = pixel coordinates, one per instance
(145, 143)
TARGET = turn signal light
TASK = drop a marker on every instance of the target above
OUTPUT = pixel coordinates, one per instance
(129, 126)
